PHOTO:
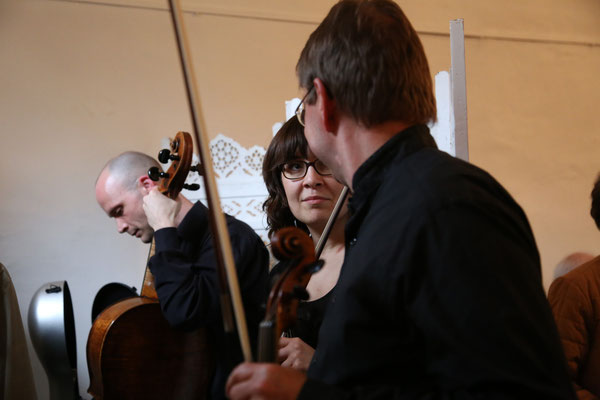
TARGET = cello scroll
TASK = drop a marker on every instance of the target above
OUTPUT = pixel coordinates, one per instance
(180, 154)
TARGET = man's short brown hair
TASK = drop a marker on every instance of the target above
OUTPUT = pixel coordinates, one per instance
(372, 63)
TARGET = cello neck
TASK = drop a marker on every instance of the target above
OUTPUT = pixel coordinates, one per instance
(148, 287)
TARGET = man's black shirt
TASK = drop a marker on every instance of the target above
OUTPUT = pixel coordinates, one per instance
(440, 293)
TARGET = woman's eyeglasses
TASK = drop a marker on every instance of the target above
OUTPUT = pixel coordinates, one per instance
(297, 169)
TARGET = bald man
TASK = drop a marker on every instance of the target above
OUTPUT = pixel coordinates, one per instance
(184, 261)
(570, 262)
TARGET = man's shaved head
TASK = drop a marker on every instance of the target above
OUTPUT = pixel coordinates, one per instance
(128, 167)
(120, 189)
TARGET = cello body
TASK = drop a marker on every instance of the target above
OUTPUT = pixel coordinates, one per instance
(133, 353)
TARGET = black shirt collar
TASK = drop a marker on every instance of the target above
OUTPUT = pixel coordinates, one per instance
(196, 222)
(368, 177)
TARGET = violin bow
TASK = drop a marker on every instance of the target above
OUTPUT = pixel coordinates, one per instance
(334, 214)
(225, 262)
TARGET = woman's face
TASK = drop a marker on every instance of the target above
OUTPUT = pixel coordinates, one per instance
(311, 199)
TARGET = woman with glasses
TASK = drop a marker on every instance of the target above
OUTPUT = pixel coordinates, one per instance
(303, 193)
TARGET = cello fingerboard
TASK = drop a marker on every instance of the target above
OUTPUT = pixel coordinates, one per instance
(148, 287)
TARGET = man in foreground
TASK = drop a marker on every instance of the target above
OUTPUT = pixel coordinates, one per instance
(440, 293)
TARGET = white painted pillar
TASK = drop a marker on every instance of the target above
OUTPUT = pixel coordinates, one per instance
(458, 89)
(450, 130)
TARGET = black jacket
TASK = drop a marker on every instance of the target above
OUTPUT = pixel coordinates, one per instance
(440, 293)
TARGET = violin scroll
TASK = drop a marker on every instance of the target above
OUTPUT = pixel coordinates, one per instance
(289, 243)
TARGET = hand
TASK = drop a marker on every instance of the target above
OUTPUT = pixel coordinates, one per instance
(294, 353)
(160, 210)
(262, 381)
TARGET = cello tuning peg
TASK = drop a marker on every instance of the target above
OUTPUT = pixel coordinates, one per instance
(300, 293)
(191, 186)
(165, 155)
(196, 168)
(155, 174)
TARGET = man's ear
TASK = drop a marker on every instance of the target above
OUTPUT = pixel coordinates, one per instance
(326, 106)
(146, 184)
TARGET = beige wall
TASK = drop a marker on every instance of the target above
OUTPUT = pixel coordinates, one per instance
(83, 81)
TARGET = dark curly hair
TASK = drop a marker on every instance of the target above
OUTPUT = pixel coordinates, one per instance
(595, 211)
(288, 144)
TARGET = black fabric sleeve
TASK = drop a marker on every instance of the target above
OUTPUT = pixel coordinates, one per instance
(186, 276)
(186, 285)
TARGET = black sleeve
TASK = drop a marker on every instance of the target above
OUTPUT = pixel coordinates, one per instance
(477, 299)
(186, 278)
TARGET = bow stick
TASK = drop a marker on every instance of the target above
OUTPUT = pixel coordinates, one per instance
(225, 262)
(331, 221)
